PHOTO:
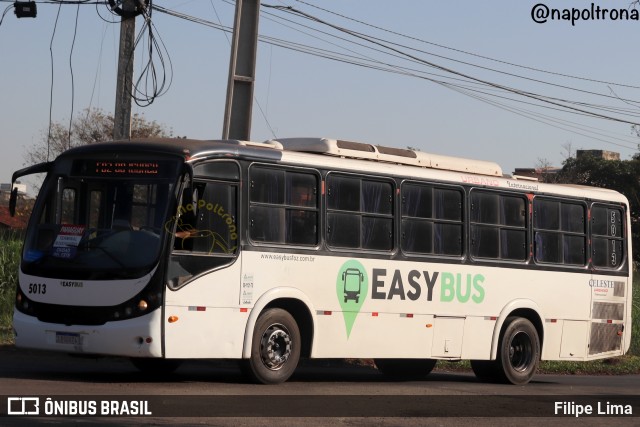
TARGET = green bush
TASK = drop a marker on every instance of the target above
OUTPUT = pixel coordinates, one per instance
(635, 323)
(9, 261)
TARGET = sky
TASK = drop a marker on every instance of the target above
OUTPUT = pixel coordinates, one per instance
(463, 78)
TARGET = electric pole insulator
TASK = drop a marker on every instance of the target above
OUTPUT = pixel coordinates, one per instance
(25, 9)
(116, 7)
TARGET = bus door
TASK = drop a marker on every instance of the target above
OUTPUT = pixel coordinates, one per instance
(205, 225)
(202, 276)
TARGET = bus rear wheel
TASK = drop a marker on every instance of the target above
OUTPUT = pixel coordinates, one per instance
(486, 370)
(519, 351)
(405, 368)
(275, 348)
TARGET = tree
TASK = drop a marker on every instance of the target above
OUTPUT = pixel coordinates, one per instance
(620, 175)
(91, 126)
(545, 171)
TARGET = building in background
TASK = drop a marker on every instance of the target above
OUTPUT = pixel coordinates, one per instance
(600, 154)
(538, 173)
(546, 173)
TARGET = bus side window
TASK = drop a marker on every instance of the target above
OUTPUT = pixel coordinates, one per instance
(498, 226)
(206, 234)
(216, 218)
(206, 220)
(184, 221)
(359, 213)
(431, 219)
(559, 231)
(283, 206)
(607, 237)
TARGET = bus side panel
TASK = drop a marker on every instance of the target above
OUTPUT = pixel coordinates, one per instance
(610, 321)
(375, 335)
(628, 316)
(210, 323)
(377, 308)
(368, 307)
(552, 340)
(574, 339)
(448, 337)
(478, 332)
(205, 332)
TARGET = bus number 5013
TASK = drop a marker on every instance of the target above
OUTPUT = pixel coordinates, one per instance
(37, 288)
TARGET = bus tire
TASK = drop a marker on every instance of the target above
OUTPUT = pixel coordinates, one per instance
(275, 348)
(518, 351)
(486, 370)
(405, 368)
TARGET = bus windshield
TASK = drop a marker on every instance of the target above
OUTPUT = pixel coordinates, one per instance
(94, 224)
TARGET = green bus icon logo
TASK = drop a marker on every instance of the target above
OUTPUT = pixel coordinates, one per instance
(352, 285)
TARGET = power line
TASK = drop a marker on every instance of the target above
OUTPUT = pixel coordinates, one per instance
(464, 83)
(73, 88)
(532, 95)
(151, 84)
(443, 80)
(5, 12)
(467, 52)
(604, 108)
(53, 34)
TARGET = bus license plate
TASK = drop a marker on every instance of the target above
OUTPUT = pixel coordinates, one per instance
(68, 338)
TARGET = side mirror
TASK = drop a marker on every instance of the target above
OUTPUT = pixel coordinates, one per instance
(13, 199)
(39, 168)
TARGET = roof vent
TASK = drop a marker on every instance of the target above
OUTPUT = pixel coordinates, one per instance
(358, 150)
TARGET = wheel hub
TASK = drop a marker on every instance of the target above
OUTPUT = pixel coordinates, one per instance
(275, 347)
(520, 351)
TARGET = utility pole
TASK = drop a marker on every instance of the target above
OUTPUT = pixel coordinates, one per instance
(242, 68)
(122, 115)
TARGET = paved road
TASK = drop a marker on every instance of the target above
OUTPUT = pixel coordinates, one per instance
(320, 393)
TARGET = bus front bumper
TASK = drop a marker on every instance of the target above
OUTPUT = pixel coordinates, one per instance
(137, 337)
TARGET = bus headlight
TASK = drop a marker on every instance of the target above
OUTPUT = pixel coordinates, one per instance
(23, 304)
(140, 305)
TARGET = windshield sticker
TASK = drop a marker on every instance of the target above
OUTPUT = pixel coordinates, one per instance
(67, 241)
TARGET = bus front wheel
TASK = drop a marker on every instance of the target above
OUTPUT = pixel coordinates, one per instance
(275, 348)
(519, 351)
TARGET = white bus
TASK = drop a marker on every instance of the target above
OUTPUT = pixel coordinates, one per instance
(165, 250)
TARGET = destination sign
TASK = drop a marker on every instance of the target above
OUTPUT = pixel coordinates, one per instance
(126, 168)
(123, 168)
